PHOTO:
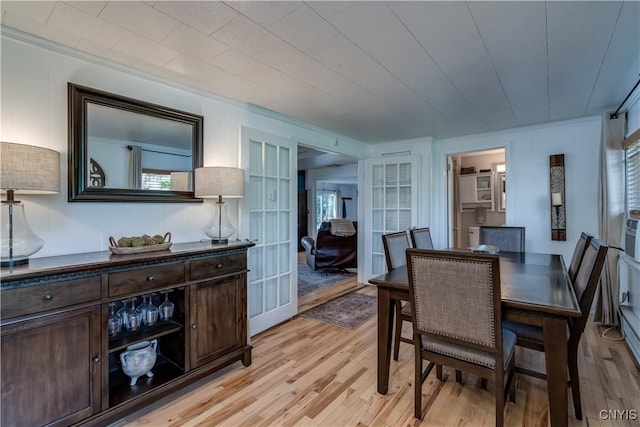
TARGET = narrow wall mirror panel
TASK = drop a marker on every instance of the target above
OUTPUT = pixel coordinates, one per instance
(122, 149)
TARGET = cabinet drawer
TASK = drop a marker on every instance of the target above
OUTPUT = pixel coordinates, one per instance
(33, 299)
(143, 279)
(211, 267)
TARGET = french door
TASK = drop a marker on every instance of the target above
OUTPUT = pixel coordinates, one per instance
(269, 218)
(393, 198)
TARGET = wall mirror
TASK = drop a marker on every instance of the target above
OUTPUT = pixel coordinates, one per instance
(126, 150)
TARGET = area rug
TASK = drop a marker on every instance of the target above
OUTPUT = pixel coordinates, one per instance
(348, 311)
(309, 280)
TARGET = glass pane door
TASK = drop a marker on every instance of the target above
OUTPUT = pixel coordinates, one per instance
(269, 210)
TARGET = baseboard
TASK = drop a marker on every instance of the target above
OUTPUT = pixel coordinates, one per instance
(630, 335)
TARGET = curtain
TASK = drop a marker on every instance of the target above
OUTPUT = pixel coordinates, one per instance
(610, 215)
(135, 166)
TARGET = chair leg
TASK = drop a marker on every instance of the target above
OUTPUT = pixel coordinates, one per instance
(499, 394)
(458, 376)
(417, 398)
(398, 331)
(439, 372)
(574, 379)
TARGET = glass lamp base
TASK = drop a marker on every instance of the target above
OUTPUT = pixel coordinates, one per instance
(222, 241)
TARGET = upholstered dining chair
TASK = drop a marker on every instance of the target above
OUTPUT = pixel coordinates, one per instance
(395, 245)
(578, 254)
(584, 285)
(463, 332)
(421, 238)
(507, 239)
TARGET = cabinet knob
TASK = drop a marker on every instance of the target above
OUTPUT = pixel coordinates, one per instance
(194, 326)
(96, 359)
(47, 296)
(150, 278)
(219, 266)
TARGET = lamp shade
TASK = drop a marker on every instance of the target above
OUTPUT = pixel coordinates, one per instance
(28, 169)
(215, 181)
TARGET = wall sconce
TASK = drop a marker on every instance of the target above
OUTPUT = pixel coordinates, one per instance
(217, 181)
(24, 169)
(558, 200)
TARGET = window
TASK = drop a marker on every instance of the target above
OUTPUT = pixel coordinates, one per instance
(632, 176)
(156, 179)
(325, 206)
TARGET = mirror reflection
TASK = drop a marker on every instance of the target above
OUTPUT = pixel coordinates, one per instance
(122, 149)
(143, 152)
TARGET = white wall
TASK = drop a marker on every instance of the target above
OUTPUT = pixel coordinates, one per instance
(34, 78)
(527, 162)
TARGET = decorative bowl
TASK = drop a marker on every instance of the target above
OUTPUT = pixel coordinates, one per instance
(125, 250)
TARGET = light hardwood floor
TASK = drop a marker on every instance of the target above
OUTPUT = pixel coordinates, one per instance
(308, 373)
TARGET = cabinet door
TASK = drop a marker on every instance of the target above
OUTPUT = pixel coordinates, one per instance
(468, 189)
(55, 359)
(218, 318)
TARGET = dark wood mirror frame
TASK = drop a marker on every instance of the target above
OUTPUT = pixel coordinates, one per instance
(78, 176)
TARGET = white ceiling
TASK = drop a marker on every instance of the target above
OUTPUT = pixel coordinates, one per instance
(374, 71)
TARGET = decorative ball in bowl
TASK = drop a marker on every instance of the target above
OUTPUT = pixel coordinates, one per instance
(138, 244)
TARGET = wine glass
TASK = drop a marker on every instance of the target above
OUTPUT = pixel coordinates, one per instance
(134, 317)
(121, 313)
(114, 321)
(148, 310)
(166, 308)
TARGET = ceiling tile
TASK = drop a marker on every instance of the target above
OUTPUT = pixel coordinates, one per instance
(19, 22)
(204, 16)
(246, 36)
(93, 8)
(148, 50)
(327, 9)
(187, 40)
(620, 70)
(139, 18)
(303, 28)
(104, 52)
(38, 11)
(74, 21)
(573, 70)
(517, 45)
(265, 13)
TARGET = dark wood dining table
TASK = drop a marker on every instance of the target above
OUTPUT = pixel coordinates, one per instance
(535, 289)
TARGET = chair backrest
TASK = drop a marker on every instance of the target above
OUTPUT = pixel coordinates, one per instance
(578, 254)
(395, 244)
(421, 238)
(456, 297)
(508, 239)
(586, 282)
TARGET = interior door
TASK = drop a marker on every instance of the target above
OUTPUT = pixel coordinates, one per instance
(393, 200)
(270, 219)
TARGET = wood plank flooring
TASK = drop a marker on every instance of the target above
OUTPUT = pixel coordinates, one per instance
(308, 373)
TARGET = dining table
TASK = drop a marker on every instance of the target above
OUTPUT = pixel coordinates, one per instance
(535, 289)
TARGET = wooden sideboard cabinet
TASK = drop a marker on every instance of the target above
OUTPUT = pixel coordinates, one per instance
(55, 343)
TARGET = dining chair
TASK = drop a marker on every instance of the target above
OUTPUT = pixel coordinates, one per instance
(457, 321)
(421, 238)
(507, 239)
(578, 254)
(395, 245)
(584, 286)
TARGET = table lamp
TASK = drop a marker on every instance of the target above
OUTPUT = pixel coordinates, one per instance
(218, 181)
(24, 169)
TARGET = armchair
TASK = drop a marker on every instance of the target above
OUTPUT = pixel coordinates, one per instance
(329, 251)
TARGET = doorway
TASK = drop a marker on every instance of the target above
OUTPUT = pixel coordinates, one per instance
(477, 193)
(328, 183)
